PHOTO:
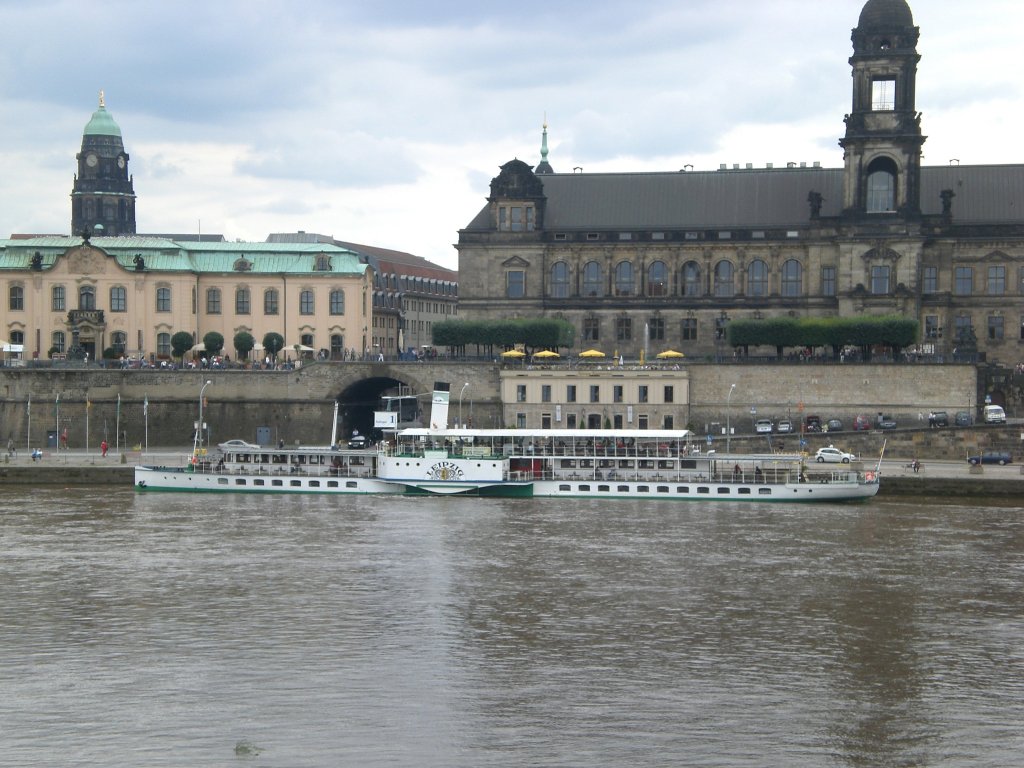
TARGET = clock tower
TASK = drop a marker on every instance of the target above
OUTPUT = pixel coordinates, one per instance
(103, 198)
(882, 146)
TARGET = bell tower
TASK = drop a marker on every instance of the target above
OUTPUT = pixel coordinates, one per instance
(882, 146)
(103, 197)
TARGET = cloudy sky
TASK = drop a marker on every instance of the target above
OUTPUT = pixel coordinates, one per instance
(383, 122)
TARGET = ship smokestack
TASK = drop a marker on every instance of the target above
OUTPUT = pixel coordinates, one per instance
(439, 405)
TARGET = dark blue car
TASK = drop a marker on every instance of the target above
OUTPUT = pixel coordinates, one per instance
(991, 457)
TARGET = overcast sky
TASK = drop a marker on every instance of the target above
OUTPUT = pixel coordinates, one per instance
(383, 122)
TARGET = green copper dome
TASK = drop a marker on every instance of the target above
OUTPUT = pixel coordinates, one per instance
(102, 124)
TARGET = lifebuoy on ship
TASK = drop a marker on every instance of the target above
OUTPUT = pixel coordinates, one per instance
(869, 476)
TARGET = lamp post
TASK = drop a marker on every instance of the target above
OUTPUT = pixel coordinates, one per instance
(728, 411)
(199, 427)
(461, 392)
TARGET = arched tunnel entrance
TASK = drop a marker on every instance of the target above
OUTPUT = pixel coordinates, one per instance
(359, 402)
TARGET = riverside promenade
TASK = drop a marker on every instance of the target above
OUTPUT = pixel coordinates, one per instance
(947, 478)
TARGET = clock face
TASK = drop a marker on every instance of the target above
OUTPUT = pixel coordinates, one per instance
(91, 160)
(120, 162)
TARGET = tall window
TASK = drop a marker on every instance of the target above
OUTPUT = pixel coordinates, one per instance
(996, 281)
(641, 394)
(757, 278)
(163, 344)
(657, 279)
(337, 302)
(883, 95)
(656, 329)
(17, 337)
(58, 298)
(624, 279)
(688, 331)
(119, 341)
(592, 279)
(724, 285)
(932, 329)
(792, 278)
(307, 305)
(213, 301)
(930, 280)
(545, 393)
(623, 329)
(515, 285)
(881, 186)
(595, 393)
(87, 298)
(243, 301)
(16, 296)
(995, 327)
(270, 301)
(57, 341)
(570, 393)
(307, 340)
(691, 279)
(516, 218)
(828, 281)
(560, 280)
(337, 346)
(962, 326)
(591, 329)
(163, 299)
(880, 279)
(963, 281)
(118, 299)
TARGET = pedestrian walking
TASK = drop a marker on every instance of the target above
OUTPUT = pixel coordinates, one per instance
(103, 448)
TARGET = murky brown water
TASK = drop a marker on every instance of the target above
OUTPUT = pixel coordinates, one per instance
(176, 630)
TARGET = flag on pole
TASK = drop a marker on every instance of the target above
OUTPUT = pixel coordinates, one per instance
(145, 406)
(88, 403)
(28, 406)
(119, 405)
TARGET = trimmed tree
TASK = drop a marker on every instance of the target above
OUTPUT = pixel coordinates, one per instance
(273, 343)
(181, 342)
(243, 343)
(214, 343)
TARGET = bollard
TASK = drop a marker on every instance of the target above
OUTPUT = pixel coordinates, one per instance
(124, 458)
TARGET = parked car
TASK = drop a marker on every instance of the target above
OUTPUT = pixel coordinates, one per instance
(938, 419)
(812, 424)
(991, 457)
(963, 419)
(861, 423)
(834, 425)
(885, 421)
(784, 426)
(763, 426)
(357, 442)
(833, 455)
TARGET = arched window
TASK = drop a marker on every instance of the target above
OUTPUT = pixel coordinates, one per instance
(881, 186)
(624, 279)
(724, 285)
(243, 301)
(119, 341)
(270, 301)
(306, 340)
(307, 304)
(592, 279)
(691, 279)
(337, 346)
(757, 278)
(657, 279)
(87, 297)
(17, 337)
(792, 278)
(337, 302)
(163, 344)
(213, 301)
(560, 280)
(58, 342)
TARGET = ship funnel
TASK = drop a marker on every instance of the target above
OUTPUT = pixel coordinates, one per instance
(439, 405)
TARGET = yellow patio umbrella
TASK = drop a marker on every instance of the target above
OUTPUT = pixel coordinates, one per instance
(670, 353)
(592, 353)
(513, 353)
(546, 354)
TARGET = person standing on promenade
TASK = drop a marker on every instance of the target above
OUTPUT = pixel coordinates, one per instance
(103, 448)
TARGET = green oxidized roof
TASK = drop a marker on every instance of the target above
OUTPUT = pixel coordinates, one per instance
(102, 124)
(163, 255)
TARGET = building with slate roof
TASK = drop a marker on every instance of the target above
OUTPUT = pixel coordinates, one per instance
(650, 261)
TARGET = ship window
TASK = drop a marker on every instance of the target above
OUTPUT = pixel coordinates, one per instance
(662, 489)
(259, 481)
(682, 489)
(240, 481)
(296, 483)
(744, 491)
(222, 480)
(765, 491)
(584, 487)
(604, 488)
(564, 487)
(314, 483)
(351, 484)
(723, 490)
(623, 489)
(703, 489)
(277, 482)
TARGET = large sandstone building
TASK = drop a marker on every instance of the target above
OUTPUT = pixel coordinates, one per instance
(648, 261)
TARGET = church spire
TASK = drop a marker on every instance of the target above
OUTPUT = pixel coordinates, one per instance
(544, 166)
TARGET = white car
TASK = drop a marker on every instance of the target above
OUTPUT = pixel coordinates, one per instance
(833, 455)
(784, 426)
(763, 426)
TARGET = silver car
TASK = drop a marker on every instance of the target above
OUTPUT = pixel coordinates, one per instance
(833, 455)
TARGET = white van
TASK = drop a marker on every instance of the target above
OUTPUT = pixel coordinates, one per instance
(994, 414)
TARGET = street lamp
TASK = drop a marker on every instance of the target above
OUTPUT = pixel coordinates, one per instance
(463, 390)
(198, 444)
(728, 410)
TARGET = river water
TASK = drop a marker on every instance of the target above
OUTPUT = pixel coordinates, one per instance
(176, 630)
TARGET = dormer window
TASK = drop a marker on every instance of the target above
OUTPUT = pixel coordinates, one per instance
(323, 263)
(243, 265)
(516, 218)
